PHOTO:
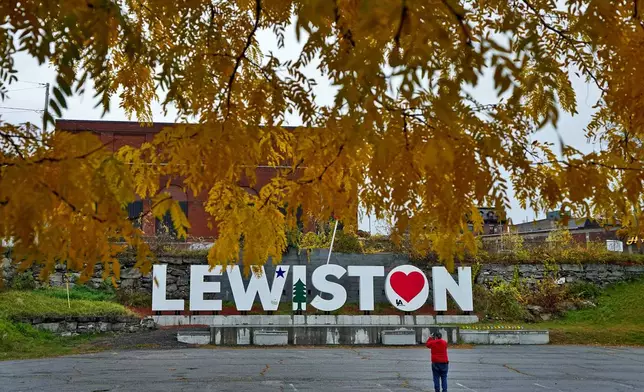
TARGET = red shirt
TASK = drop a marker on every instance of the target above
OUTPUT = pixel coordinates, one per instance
(439, 350)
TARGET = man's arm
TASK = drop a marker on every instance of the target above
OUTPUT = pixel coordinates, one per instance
(430, 342)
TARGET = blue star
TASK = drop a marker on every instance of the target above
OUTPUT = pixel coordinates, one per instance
(280, 273)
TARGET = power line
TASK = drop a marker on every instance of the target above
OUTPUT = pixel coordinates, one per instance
(27, 88)
(28, 82)
(21, 109)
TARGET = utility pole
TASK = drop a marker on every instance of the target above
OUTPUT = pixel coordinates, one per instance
(332, 240)
(44, 113)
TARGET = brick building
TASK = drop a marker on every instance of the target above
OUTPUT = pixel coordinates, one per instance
(116, 134)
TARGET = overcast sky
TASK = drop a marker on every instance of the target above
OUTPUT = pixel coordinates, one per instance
(26, 94)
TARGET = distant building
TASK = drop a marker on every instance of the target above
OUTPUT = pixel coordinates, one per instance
(492, 223)
(116, 134)
(582, 229)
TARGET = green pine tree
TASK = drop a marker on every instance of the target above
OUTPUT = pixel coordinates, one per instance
(299, 293)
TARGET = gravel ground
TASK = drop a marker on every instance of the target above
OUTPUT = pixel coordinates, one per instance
(160, 339)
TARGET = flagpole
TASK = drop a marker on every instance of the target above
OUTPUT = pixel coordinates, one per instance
(332, 239)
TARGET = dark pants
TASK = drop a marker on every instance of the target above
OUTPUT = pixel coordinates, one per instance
(439, 370)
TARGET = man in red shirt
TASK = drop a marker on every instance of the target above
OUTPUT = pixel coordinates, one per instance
(440, 362)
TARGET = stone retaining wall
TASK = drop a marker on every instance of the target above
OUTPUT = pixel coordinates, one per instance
(179, 273)
(600, 274)
(69, 326)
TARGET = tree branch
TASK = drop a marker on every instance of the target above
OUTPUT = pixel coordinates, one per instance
(49, 159)
(591, 163)
(460, 18)
(573, 42)
(144, 214)
(250, 188)
(403, 17)
(636, 13)
(26, 137)
(69, 204)
(407, 145)
(348, 35)
(319, 178)
(212, 19)
(561, 33)
(242, 54)
(331, 163)
(13, 144)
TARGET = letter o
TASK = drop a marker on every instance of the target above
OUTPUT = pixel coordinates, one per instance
(407, 288)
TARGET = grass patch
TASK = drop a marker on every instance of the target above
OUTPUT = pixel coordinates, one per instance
(24, 304)
(611, 336)
(618, 319)
(21, 341)
(79, 293)
(106, 294)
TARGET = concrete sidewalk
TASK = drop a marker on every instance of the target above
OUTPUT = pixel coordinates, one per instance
(499, 369)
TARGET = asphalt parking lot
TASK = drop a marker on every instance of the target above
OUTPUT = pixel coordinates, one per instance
(485, 368)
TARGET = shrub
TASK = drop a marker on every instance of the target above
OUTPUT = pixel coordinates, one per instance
(481, 296)
(363, 234)
(346, 243)
(560, 238)
(378, 243)
(293, 239)
(547, 294)
(584, 290)
(134, 299)
(23, 281)
(502, 301)
(313, 240)
(513, 243)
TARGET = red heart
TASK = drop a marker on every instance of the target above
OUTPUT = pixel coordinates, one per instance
(407, 286)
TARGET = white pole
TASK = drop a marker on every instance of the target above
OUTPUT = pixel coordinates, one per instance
(332, 239)
(69, 304)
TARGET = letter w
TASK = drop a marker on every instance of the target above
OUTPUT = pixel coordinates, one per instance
(257, 285)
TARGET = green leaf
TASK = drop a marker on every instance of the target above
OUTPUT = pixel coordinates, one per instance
(60, 98)
(54, 105)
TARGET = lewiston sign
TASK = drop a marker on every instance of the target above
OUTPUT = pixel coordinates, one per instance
(406, 287)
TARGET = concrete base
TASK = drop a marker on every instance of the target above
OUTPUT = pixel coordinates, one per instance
(354, 335)
(194, 337)
(327, 335)
(399, 337)
(457, 319)
(474, 337)
(270, 338)
(279, 320)
(504, 337)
